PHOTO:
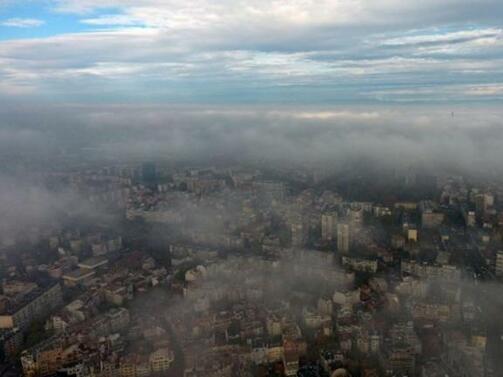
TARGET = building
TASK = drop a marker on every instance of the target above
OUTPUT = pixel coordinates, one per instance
(114, 320)
(400, 362)
(427, 271)
(430, 219)
(35, 305)
(93, 263)
(499, 264)
(343, 238)
(11, 341)
(78, 276)
(469, 216)
(412, 235)
(430, 216)
(161, 360)
(328, 226)
(74, 369)
(482, 203)
(355, 215)
(360, 264)
(291, 363)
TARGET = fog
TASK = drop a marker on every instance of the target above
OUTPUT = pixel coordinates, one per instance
(464, 139)
(298, 289)
(42, 138)
(38, 142)
(29, 207)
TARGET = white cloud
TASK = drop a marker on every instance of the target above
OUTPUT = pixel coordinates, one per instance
(335, 115)
(203, 13)
(353, 48)
(301, 13)
(442, 93)
(112, 20)
(22, 22)
(139, 55)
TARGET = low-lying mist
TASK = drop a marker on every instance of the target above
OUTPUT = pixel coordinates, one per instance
(464, 139)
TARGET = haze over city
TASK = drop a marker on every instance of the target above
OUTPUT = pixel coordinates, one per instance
(251, 188)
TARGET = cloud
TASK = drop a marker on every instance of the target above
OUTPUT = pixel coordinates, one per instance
(271, 52)
(446, 93)
(328, 136)
(29, 206)
(306, 13)
(112, 20)
(164, 66)
(22, 22)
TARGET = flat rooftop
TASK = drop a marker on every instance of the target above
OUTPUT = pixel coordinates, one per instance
(93, 262)
(78, 275)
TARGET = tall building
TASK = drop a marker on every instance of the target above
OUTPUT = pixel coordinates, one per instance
(34, 305)
(499, 263)
(469, 215)
(482, 203)
(343, 238)
(355, 215)
(328, 226)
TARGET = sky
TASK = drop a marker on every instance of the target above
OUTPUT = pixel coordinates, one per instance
(314, 52)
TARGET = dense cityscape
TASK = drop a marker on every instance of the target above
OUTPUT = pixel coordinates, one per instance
(240, 271)
(251, 188)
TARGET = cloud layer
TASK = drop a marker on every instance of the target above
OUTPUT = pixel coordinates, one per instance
(369, 141)
(263, 51)
(467, 140)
